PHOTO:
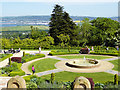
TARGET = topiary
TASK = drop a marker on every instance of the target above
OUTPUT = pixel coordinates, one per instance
(9, 61)
(69, 48)
(115, 79)
(52, 77)
(23, 54)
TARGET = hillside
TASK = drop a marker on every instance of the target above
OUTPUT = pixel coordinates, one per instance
(23, 28)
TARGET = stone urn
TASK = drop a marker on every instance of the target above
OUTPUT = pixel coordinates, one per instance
(82, 83)
(16, 82)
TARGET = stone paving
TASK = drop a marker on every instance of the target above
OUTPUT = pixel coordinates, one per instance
(3, 82)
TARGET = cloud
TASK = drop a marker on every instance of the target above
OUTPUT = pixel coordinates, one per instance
(59, 0)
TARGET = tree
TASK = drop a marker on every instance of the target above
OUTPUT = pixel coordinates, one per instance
(105, 31)
(61, 23)
(85, 31)
(64, 40)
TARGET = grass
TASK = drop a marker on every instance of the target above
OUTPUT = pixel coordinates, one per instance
(70, 76)
(116, 64)
(86, 56)
(43, 65)
(23, 28)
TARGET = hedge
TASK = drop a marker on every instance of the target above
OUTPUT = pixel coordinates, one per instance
(7, 56)
(14, 73)
(62, 53)
(104, 53)
(33, 57)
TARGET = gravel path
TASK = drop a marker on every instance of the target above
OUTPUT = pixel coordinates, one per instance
(48, 72)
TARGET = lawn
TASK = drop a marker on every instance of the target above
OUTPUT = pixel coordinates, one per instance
(23, 28)
(70, 76)
(43, 65)
(86, 56)
(116, 64)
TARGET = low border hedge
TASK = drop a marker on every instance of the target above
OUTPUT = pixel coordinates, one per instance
(33, 57)
(62, 53)
(104, 53)
(14, 73)
(8, 55)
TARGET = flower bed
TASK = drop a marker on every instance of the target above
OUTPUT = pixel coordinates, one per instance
(13, 69)
(16, 59)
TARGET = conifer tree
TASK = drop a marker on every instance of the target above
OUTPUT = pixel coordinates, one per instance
(61, 23)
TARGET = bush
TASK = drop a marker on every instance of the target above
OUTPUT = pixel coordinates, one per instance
(5, 56)
(31, 57)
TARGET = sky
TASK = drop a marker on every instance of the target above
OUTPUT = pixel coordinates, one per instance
(93, 8)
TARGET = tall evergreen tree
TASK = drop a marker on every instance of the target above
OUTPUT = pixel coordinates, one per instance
(61, 23)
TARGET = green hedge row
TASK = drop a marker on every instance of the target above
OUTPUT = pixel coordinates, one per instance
(14, 73)
(33, 57)
(104, 53)
(7, 56)
(62, 53)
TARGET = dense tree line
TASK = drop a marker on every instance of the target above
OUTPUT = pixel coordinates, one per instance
(100, 31)
(64, 32)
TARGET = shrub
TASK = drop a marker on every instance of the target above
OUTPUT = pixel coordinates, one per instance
(49, 85)
(99, 85)
(68, 85)
(31, 85)
(28, 78)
